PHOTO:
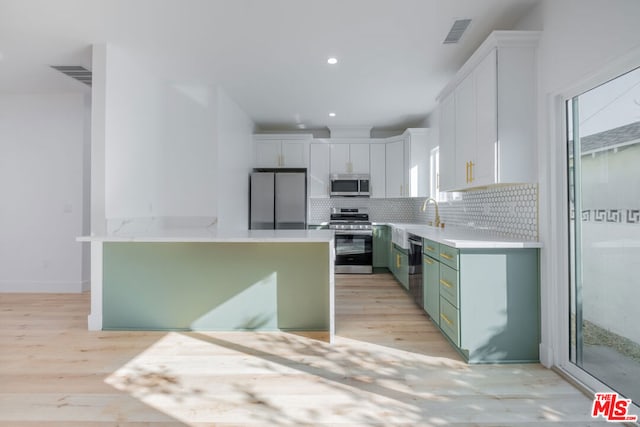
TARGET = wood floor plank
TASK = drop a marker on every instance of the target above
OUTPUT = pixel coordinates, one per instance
(389, 366)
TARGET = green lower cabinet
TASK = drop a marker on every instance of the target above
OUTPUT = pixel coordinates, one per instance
(449, 321)
(431, 285)
(489, 306)
(400, 265)
(381, 243)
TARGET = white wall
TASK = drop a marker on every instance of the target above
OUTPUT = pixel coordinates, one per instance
(160, 146)
(175, 154)
(43, 140)
(580, 37)
(133, 137)
(235, 153)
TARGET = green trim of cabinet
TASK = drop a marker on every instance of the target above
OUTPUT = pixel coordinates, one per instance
(216, 286)
(381, 241)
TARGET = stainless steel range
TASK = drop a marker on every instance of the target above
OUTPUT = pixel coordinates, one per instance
(354, 240)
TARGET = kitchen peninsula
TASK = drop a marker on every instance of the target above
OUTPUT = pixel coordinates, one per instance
(197, 279)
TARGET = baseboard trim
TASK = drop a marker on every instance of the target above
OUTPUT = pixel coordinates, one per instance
(49, 287)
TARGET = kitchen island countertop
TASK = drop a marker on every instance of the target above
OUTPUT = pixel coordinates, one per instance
(207, 235)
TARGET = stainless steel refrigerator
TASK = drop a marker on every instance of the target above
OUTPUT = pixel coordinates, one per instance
(278, 200)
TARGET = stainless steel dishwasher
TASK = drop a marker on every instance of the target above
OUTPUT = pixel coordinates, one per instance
(415, 269)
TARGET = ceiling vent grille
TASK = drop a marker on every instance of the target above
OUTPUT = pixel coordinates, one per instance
(76, 72)
(456, 31)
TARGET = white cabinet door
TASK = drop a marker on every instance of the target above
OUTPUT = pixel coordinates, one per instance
(319, 170)
(416, 163)
(447, 144)
(281, 151)
(493, 129)
(349, 158)
(395, 169)
(340, 158)
(377, 184)
(295, 154)
(268, 154)
(465, 157)
(485, 172)
(359, 158)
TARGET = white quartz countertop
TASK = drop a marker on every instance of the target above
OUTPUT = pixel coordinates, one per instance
(206, 235)
(463, 237)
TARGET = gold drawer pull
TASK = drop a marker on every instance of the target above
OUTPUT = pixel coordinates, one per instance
(447, 284)
(429, 248)
(428, 260)
(446, 256)
(446, 319)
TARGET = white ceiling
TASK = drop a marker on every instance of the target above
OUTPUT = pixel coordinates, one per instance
(269, 55)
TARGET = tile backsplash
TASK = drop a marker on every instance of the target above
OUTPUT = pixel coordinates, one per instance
(508, 210)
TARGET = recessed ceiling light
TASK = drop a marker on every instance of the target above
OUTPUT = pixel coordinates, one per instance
(332, 114)
(301, 126)
(332, 61)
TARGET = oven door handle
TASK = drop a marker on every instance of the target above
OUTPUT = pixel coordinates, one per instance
(353, 232)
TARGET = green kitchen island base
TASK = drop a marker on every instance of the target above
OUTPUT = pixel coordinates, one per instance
(262, 281)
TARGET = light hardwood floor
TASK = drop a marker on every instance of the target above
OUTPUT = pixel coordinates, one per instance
(389, 366)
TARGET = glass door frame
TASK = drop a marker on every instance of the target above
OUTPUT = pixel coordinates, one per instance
(555, 226)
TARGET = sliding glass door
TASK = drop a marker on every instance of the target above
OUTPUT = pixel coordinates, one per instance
(603, 142)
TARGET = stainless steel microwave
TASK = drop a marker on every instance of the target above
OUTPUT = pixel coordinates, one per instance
(349, 185)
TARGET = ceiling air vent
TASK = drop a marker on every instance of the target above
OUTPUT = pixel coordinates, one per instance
(76, 72)
(456, 31)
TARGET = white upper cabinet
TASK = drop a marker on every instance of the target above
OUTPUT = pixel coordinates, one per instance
(377, 166)
(447, 141)
(349, 158)
(465, 130)
(319, 170)
(488, 115)
(395, 169)
(486, 91)
(417, 174)
(282, 151)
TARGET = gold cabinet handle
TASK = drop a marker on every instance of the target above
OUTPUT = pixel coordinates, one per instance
(466, 166)
(397, 260)
(429, 248)
(446, 256)
(428, 260)
(471, 165)
(445, 283)
(446, 319)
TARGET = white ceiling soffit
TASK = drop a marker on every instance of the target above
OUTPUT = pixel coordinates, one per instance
(270, 56)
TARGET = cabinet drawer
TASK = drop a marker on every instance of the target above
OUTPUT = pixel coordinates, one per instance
(449, 256)
(449, 321)
(449, 284)
(431, 248)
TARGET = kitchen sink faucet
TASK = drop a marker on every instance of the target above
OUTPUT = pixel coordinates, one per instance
(424, 208)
